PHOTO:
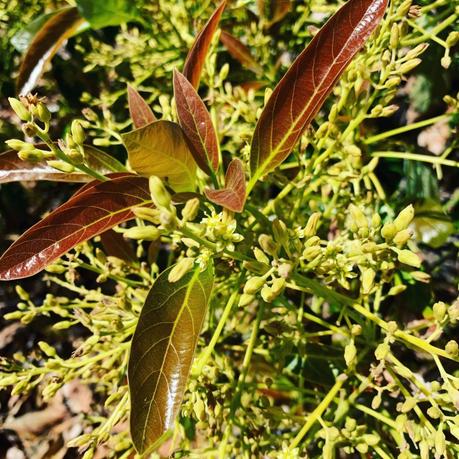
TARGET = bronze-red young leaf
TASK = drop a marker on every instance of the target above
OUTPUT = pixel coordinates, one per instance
(232, 197)
(304, 88)
(240, 52)
(13, 169)
(99, 207)
(196, 56)
(162, 352)
(196, 124)
(140, 111)
(45, 44)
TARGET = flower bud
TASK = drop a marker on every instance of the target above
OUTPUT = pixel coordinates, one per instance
(415, 52)
(452, 348)
(434, 412)
(43, 113)
(439, 310)
(144, 233)
(77, 132)
(267, 294)
(159, 194)
(396, 290)
(368, 277)
(254, 284)
(47, 349)
(167, 218)
(420, 276)
(404, 218)
(376, 402)
(409, 65)
(268, 245)
(245, 299)
(311, 226)
(278, 286)
(31, 155)
(350, 353)
(280, 232)
(16, 144)
(408, 405)
(75, 156)
(403, 9)
(310, 253)
(314, 240)
(190, 210)
(402, 237)
(180, 269)
(148, 214)
(382, 351)
(394, 36)
(409, 258)
(440, 443)
(61, 165)
(18, 108)
(358, 216)
(260, 256)
(445, 61)
(388, 231)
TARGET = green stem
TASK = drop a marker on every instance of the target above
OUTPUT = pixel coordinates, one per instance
(403, 336)
(407, 128)
(60, 155)
(242, 377)
(415, 157)
(317, 413)
(429, 34)
(209, 349)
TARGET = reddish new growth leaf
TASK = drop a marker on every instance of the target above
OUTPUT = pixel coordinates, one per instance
(232, 197)
(195, 60)
(45, 44)
(140, 111)
(240, 52)
(303, 89)
(101, 206)
(196, 124)
(13, 169)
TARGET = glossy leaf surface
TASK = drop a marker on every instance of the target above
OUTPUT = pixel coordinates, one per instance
(107, 12)
(196, 124)
(162, 352)
(240, 52)
(13, 169)
(195, 60)
(45, 44)
(232, 197)
(21, 40)
(99, 207)
(140, 111)
(304, 88)
(160, 149)
(115, 245)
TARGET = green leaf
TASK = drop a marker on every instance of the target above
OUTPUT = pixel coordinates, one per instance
(430, 224)
(162, 352)
(103, 13)
(160, 149)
